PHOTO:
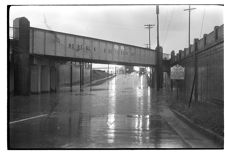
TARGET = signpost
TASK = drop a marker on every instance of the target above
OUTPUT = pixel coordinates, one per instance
(177, 73)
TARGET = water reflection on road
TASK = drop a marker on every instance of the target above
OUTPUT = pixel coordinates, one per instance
(121, 112)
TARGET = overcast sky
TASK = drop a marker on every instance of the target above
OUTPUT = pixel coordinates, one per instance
(125, 24)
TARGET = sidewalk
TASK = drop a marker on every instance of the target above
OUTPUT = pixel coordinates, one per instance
(207, 118)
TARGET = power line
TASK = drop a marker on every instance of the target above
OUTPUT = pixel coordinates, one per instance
(171, 17)
(189, 31)
(164, 22)
(45, 22)
(202, 23)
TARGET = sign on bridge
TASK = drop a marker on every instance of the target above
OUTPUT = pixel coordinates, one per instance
(87, 49)
(177, 72)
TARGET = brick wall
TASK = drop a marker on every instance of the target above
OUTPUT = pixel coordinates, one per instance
(209, 51)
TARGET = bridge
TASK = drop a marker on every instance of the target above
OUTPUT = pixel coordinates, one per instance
(92, 50)
(80, 48)
(38, 53)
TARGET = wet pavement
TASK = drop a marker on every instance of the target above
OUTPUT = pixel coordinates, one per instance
(122, 112)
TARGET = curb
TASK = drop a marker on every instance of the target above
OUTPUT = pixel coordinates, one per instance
(96, 81)
(93, 82)
(210, 134)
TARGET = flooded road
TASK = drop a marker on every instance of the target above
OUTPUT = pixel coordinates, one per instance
(123, 112)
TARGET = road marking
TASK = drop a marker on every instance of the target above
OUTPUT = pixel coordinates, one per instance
(29, 118)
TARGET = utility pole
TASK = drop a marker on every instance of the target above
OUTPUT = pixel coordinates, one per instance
(189, 23)
(157, 13)
(71, 76)
(189, 49)
(149, 26)
(157, 52)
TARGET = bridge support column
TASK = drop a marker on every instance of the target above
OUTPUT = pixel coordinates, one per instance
(53, 79)
(90, 73)
(159, 70)
(154, 81)
(108, 70)
(81, 75)
(57, 77)
(71, 76)
(45, 78)
(35, 82)
(21, 56)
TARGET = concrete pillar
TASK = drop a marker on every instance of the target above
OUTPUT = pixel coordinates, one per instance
(159, 69)
(45, 79)
(57, 87)
(81, 75)
(11, 76)
(154, 84)
(35, 79)
(86, 72)
(108, 70)
(71, 76)
(76, 73)
(21, 56)
(53, 79)
(90, 73)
